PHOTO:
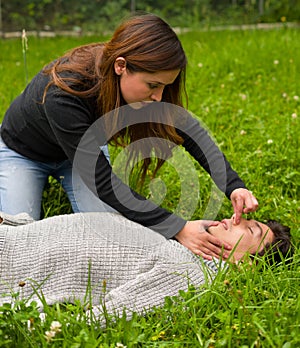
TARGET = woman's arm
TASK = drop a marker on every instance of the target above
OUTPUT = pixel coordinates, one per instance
(80, 135)
(201, 146)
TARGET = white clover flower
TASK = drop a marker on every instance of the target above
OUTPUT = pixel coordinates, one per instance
(284, 95)
(294, 115)
(42, 317)
(243, 96)
(49, 335)
(276, 62)
(55, 326)
(296, 97)
(120, 345)
(243, 132)
(200, 65)
(30, 326)
(270, 141)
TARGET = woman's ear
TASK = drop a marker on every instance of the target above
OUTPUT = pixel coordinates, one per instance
(120, 65)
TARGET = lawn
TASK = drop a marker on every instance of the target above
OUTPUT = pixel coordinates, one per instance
(245, 87)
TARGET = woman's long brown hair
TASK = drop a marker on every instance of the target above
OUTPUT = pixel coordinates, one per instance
(149, 45)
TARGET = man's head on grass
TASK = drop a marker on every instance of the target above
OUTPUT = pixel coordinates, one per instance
(252, 237)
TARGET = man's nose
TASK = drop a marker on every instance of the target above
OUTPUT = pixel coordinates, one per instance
(233, 219)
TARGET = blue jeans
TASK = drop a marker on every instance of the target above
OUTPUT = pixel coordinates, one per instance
(23, 180)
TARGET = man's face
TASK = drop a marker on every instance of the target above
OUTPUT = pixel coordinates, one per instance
(250, 235)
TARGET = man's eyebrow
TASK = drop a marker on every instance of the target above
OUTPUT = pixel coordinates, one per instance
(260, 229)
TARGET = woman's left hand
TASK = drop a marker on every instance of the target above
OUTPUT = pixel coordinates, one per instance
(242, 201)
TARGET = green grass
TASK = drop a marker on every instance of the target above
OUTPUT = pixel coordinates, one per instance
(244, 86)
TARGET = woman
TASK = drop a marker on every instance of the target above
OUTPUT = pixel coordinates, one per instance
(43, 129)
(126, 266)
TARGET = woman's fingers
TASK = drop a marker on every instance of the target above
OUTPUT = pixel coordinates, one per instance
(200, 242)
(243, 201)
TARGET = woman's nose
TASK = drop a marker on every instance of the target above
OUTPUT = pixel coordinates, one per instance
(157, 95)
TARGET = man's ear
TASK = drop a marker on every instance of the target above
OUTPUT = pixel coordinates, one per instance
(120, 65)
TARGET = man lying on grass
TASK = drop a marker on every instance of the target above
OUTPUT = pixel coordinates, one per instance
(125, 265)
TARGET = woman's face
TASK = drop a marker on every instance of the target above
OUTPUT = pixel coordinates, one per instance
(250, 235)
(143, 87)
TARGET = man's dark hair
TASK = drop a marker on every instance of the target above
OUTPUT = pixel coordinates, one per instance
(281, 247)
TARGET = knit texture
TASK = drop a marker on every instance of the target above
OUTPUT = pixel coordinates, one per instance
(128, 266)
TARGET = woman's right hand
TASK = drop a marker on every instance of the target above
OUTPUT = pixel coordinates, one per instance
(195, 237)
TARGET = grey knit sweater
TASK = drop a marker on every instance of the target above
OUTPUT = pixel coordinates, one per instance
(137, 267)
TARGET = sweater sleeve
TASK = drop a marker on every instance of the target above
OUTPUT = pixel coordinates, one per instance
(150, 289)
(201, 146)
(15, 220)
